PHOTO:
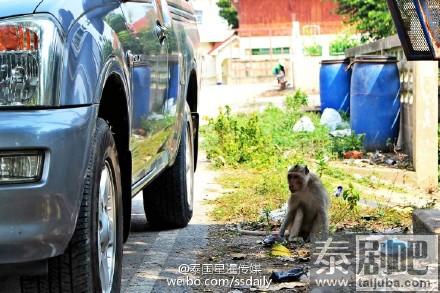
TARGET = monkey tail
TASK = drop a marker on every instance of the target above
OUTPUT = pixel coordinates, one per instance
(254, 233)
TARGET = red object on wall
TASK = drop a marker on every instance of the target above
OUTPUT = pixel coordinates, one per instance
(268, 17)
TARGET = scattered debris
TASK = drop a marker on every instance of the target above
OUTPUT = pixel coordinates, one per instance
(238, 256)
(394, 160)
(393, 247)
(293, 275)
(250, 232)
(280, 250)
(339, 191)
(344, 125)
(278, 215)
(353, 155)
(303, 259)
(341, 133)
(391, 162)
(369, 218)
(291, 287)
(271, 240)
(305, 124)
(331, 118)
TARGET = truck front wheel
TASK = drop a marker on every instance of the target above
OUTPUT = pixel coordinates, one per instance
(168, 200)
(93, 259)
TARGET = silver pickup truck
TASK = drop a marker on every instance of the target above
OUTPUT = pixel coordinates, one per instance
(98, 102)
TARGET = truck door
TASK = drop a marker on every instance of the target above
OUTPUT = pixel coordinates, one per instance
(144, 42)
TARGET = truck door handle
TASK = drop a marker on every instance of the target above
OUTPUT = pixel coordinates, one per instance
(161, 32)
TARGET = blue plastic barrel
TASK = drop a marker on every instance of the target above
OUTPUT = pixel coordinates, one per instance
(334, 80)
(375, 100)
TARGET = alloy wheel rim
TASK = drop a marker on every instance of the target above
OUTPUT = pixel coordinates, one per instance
(106, 228)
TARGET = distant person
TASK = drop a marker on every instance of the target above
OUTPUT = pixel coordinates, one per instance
(279, 71)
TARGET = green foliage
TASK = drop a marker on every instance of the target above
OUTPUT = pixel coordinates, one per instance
(228, 12)
(299, 99)
(352, 196)
(340, 145)
(342, 43)
(237, 139)
(370, 17)
(345, 115)
(313, 50)
(322, 162)
(266, 138)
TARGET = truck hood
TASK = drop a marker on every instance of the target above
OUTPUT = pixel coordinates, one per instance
(11, 8)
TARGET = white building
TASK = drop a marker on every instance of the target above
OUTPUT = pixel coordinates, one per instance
(213, 29)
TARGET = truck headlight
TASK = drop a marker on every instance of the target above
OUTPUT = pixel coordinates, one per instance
(20, 167)
(30, 61)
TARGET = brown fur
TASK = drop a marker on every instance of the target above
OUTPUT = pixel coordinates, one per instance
(307, 213)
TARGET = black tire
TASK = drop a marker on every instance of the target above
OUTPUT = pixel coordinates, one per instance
(77, 270)
(166, 198)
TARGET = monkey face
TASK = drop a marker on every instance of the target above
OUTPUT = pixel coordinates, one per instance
(297, 178)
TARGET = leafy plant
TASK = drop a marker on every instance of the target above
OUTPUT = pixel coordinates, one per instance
(228, 12)
(296, 101)
(341, 145)
(266, 212)
(370, 17)
(342, 43)
(344, 115)
(313, 50)
(322, 162)
(237, 139)
(352, 196)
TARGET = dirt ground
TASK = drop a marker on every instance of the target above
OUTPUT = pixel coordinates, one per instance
(228, 247)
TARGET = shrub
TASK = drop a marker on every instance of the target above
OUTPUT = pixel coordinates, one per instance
(313, 50)
(340, 145)
(341, 44)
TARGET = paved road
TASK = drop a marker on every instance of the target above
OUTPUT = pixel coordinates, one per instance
(151, 258)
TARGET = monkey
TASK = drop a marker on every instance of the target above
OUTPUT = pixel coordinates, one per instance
(307, 213)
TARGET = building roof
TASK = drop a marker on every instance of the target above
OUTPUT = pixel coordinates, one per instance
(222, 45)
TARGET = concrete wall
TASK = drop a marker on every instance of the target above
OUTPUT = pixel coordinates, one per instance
(251, 71)
(418, 136)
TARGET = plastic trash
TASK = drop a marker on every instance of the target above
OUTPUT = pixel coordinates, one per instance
(331, 118)
(341, 133)
(280, 250)
(356, 155)
(305, 124)
(271, 240)
(393, 246)
(339, 191)
(277, 215)
(391, 162)
(293, 275)
(344, 125)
